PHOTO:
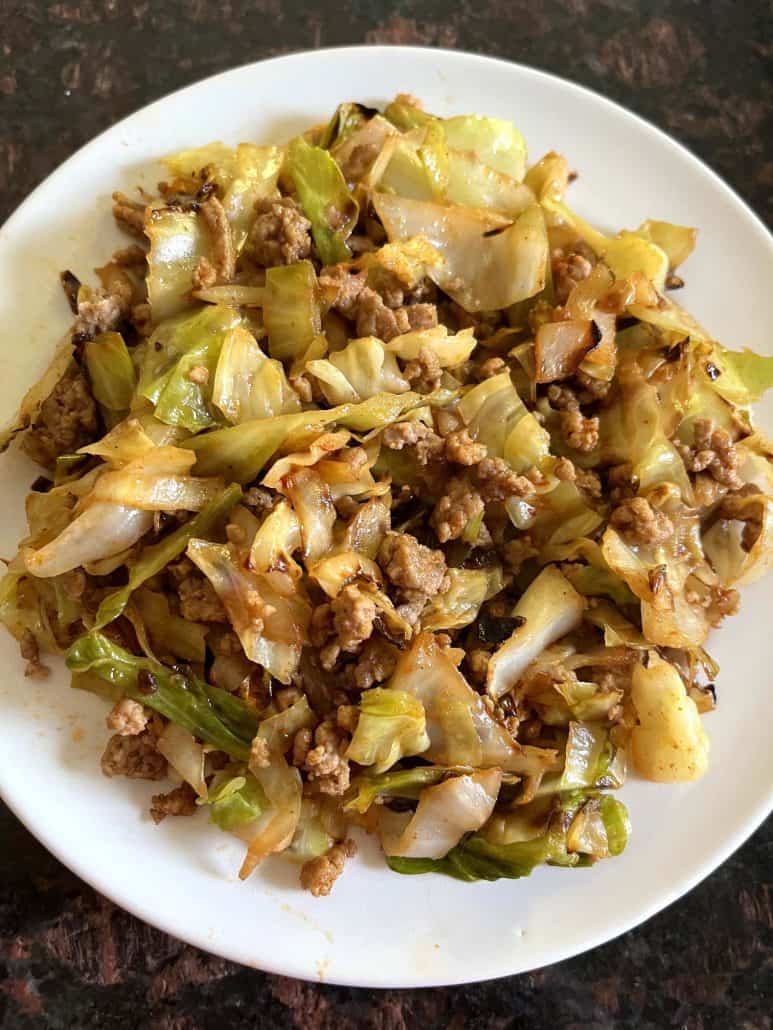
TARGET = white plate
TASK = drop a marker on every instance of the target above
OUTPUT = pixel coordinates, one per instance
(378, 928)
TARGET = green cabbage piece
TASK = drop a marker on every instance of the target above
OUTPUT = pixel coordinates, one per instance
(391, 725)
(235, 800)
(311, 839)
(324, 197)
(477, 858)
(592, 582)
(498, 418)
(111, 373)
(240, 452)
(461, 602)
(591, 760)
(744, 376)
(274, 639)
(249, 385)
(178, 240)
(495, 142)
(406, 116)
(626, 253)
(156, 557)
(360, 370)
(215, 716)
(347, 119)
(405, 783)
(489, 261)
(291, 309)
(170, 633)
(177, 346)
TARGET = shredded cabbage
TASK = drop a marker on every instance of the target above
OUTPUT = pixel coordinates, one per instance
(439, 586)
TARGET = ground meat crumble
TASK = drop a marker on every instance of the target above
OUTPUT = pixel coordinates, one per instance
(422, 443)
(459, 506)
(179, 801)
(319, 874)
(281, 233)
(325, 764)
(713, 452)
(67, 420)
(127, 718)
(640, 523)
(136, 757)
(412, 566)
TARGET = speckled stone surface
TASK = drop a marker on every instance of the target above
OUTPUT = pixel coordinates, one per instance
(702, 70)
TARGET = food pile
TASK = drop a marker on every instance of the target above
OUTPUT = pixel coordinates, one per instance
(382, 490)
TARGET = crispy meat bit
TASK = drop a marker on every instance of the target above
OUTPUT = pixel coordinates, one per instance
(714, 452)
(580, 433)
(127, 718)
(569, 268)
(130, 216)
(640, 523)
(205, 274)
(325, 763)
(375, 664)
(180, 801)
(281, 234)
(30, 652)
(412, 566)
(67, 420)
(415, 437)
(457, 508)
(319, 874)
(135, 757)
(462, 449)
(424, 374)
(198, 600)
(497, 481)
(223, 250)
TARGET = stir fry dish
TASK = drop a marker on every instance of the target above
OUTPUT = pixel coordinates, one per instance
(383, 491)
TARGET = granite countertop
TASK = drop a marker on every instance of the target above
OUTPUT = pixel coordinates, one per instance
(702, 70)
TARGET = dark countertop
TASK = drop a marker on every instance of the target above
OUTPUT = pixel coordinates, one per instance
(702, 70)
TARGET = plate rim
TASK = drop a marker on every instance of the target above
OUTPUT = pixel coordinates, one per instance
(700, 870)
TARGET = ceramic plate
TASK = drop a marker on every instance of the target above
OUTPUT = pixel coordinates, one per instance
(378, 928)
